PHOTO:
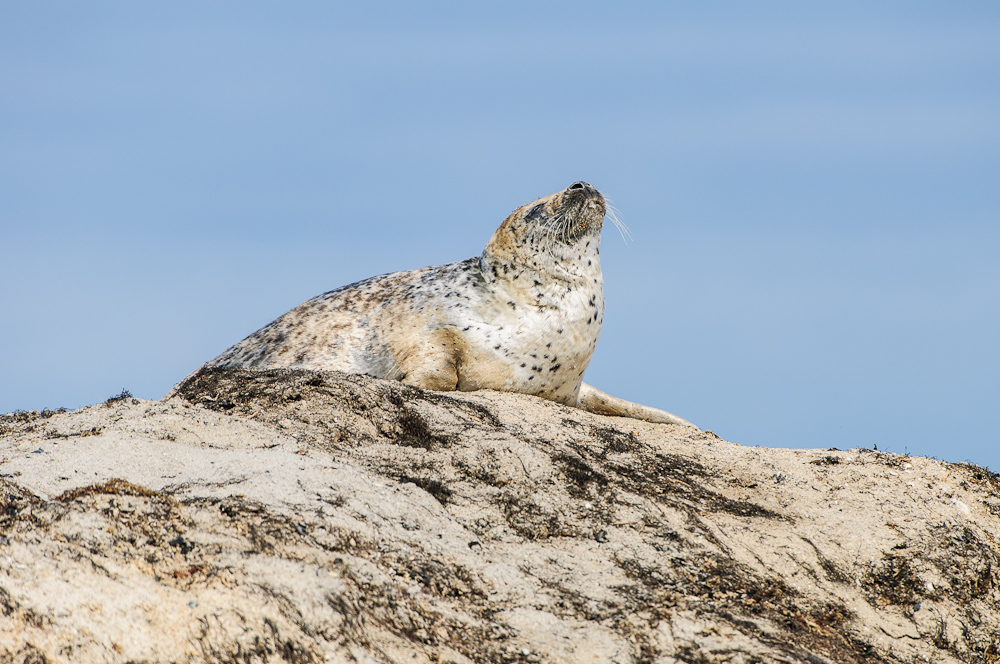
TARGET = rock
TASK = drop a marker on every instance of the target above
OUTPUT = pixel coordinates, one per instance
(303, 516)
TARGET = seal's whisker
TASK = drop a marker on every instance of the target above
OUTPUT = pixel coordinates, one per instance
(548, 236)
(614, 214)
(554, 232)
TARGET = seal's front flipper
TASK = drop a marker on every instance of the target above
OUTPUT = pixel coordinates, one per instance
(593, 400)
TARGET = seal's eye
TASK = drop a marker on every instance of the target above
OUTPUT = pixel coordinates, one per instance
(535, 211)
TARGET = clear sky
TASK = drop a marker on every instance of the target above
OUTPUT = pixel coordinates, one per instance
(813, 190)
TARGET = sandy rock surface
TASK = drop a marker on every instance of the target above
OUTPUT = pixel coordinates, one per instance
(309, 517)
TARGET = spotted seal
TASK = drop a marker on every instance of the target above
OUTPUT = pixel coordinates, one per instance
(524, 316)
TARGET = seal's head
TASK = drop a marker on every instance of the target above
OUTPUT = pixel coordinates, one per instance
(541, 234)
(568, 215)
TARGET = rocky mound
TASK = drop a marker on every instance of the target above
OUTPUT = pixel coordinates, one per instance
(308, 517)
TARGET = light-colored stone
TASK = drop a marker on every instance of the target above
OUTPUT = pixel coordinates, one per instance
(300, 516)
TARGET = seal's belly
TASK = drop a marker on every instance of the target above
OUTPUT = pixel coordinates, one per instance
(533, 350)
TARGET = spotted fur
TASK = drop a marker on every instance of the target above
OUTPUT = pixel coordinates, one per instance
(524, 316)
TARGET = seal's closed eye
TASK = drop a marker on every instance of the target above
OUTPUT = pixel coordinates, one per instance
(535, 211)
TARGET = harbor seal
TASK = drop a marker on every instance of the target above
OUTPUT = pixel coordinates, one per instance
(524, 316)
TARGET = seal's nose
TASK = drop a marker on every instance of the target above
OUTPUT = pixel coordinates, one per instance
(582, 185)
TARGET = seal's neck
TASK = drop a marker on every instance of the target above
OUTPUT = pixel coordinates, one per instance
(534, 256)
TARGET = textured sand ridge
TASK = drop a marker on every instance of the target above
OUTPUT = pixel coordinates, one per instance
(309, 517)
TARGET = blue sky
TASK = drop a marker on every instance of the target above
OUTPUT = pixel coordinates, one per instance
(811, 188)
